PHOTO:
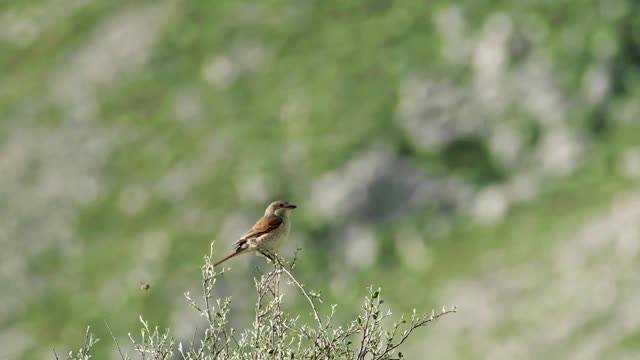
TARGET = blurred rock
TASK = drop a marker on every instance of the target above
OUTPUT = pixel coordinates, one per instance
(490, 61)
(22, 26)
(187, 106)
(15, 341)
(219, 71)
(451, 26)
(522, 187)
(582, 280)
(506, 144)
(630, 165)
(254, 189)
(411, 246)
(233, 226)
(596, 83)
(435, 112)
(119, 46)
(560, 152)
(223, 69)
(490, 205)
(533, 88)
(46, 174)
(133, 200)
(377, 185)
(359, 246)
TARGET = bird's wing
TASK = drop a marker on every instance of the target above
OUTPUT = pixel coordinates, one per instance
(265, 225)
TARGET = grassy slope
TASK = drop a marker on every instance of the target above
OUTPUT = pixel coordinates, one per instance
(350, 94)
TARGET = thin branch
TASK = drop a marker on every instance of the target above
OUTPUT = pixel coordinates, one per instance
(54, 353)
(115, 341)
(414, 326)
(193, 339)
(316, 315)
(362, 351)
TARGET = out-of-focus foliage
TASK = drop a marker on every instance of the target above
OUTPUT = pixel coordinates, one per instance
(478, 153)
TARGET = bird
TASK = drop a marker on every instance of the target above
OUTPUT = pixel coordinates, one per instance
(268, 233)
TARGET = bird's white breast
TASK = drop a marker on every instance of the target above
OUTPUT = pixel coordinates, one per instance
(273, 240)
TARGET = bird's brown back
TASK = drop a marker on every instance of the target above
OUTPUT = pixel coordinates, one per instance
(265, 225)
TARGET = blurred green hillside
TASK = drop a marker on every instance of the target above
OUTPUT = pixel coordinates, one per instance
(478, 153)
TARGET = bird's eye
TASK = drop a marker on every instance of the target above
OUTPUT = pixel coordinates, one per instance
(281, 205)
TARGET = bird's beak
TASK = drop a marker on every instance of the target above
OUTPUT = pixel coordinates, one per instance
(291, 206)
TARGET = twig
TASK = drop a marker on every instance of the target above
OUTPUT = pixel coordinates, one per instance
(414, 326)
(54, 353)
(193, 339)
(362, 352)
(295, 257)
(115, 340)
(304, 292)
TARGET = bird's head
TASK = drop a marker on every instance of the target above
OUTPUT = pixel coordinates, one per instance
(280, 208)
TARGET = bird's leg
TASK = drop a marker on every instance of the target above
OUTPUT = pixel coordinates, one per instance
(274, 258)
(269, 255)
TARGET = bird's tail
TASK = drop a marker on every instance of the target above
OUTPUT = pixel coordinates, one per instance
(233, 254)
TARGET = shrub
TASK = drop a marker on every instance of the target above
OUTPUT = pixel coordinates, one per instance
(275, 334)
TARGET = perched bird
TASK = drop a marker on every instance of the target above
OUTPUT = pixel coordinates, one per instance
(267, 235)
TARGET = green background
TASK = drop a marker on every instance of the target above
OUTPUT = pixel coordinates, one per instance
(484, 154)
